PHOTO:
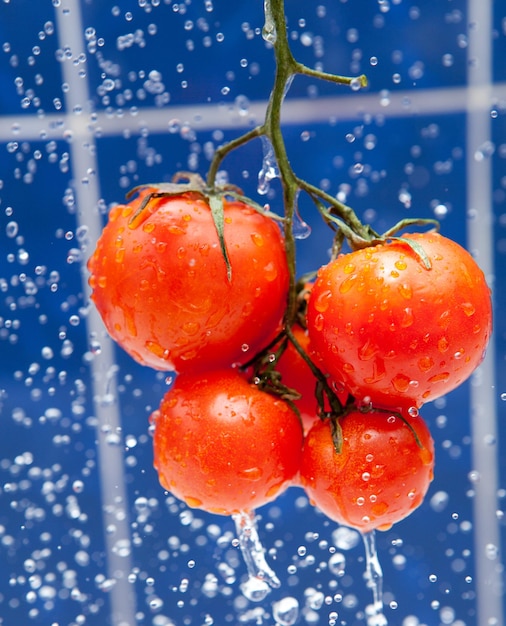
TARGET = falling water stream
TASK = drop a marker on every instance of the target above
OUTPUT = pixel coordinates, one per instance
(374, 578)
(261, 577)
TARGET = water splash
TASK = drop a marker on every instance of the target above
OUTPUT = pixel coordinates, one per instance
(300, 229)
(269, 170)
(286, 611)
(261, 577)
(374, 578)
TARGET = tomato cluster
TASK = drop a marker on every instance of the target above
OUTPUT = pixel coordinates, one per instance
(330, 403)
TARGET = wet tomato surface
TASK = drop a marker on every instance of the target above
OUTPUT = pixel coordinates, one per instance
(223, 445)
(394, 331)
(159, 281)
(379, 477)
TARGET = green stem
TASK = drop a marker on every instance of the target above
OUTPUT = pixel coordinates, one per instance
(337, 408)
(287, 67)
(346, 213)
(222, 151)
(359, 81)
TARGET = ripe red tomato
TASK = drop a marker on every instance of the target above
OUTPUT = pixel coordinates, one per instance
(380, 476)
(160, 282)
(223, 445)
(394, 332)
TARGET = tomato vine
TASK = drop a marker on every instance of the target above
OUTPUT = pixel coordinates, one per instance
(339, 216)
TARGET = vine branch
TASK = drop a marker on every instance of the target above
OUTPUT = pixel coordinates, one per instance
(275, 33)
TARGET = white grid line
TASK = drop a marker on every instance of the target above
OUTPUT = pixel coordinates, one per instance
(114, 499)
(226, 116)
(483, 414)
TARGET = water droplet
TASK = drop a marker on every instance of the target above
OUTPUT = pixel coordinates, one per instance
(405, 291)
(348, 283)
(439, 378)
(11, 229)
(401, 382)
(491, 551)
(407, 318)
(306, 39)
(439, 501)
(356, 84)
(443, 344)
(345, 538)
(141, 504)
(337, 564)
(255, 589)
(474, 476)
(286, 611)
(440, 211)
(77, 486)
(468, 308)
(155, 603)
(269, 29)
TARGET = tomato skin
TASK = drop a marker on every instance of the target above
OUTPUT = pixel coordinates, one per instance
(380, 476)
(160, 283)
(223, 445)
(395, 333)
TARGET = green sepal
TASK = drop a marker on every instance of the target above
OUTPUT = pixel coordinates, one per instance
(337, 434)
(237, 195)
(218, 215)
(417, 249)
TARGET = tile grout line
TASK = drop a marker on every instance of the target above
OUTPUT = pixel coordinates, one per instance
(205, 117)
(483, 414)
(114, 500)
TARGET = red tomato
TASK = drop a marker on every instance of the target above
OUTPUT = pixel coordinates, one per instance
(160, 282)
(380, 476)
(223, 445)
(394, 332)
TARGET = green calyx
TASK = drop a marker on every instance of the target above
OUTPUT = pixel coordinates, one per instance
(192, 183)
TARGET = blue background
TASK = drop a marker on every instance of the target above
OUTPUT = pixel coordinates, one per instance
(45, 347)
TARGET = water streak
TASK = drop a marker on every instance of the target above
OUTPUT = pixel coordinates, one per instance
(269, 30)
(374, 578)
(261, 577)
(300, 229)
(269, 170)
